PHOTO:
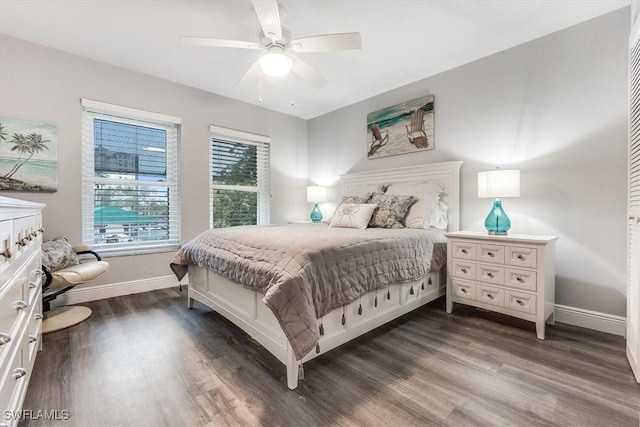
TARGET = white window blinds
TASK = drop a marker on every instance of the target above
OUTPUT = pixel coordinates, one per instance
(239, 178)
(131, 199)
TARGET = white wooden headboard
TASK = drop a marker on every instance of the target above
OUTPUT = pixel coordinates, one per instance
(446, 174)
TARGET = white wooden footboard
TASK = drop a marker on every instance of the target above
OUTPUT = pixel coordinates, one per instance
(245, 309)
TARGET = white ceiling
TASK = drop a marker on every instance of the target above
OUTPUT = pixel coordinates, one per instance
(403, 41)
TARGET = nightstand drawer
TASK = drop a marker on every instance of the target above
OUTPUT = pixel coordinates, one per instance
(464, 250)
(490, 273)
(464, 289)
(489, 294)
(463, 270)
(521, 279)
(520, 301)
(490, 253)
(521, 256)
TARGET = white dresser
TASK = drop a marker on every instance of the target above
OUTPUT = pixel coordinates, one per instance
(20, 301)
(513, 274)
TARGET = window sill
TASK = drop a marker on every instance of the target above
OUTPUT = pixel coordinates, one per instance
(142, 250)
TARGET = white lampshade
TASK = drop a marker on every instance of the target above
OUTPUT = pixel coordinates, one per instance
(316, 194)
(499, 183)
(275, 63)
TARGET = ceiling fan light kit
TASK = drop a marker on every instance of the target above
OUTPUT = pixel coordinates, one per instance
(275, 63)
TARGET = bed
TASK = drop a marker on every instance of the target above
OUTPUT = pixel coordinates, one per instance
(302, 290)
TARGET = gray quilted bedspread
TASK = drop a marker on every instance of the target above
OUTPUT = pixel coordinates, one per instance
(305, 271)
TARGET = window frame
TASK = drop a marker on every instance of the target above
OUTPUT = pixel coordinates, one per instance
(263, 187)
(99, 110)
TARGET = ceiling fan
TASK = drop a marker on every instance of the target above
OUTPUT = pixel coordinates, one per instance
(279, 59)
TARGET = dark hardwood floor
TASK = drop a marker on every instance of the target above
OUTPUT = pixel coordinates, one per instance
(147, 360)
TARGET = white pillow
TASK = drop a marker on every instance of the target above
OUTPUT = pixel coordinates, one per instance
(352, 215)
(428, 210)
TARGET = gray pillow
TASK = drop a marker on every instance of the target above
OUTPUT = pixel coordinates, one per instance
(360, 199)
(391, 210)
(58, 254)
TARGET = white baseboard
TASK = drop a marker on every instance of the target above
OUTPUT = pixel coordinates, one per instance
(82, 294)
(597, 321)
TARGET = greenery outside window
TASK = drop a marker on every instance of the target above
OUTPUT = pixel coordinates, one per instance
(239, 178)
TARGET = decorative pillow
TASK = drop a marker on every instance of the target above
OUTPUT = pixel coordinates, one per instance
(438, 215)
(428, 195)
(58, 254)
(352, 215)
(391, 210)
(359, 199)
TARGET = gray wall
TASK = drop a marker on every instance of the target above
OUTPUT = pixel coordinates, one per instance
(45, 85)
(555, 108)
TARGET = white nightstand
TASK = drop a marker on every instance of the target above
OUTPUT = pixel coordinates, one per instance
(513, 274)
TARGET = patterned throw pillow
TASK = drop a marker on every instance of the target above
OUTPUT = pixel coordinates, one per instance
(359, 199)
(352, 215)
(391, 210)
(58, 254)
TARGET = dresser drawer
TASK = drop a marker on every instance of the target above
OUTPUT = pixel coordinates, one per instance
(521, 256)
(12, 304)
(463, 250)
(463, 270)
(489, 294)
(520, 301)
(490, 253)
(490, 273)
(521, 279)
(464, 289)
(14, 375)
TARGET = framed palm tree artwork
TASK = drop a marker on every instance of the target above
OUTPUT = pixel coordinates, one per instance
(28, 156)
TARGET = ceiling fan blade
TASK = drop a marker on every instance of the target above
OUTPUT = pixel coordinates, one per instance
(307, 73)
(205, 41)
(269, 17)
(328, 42)
(253, 73)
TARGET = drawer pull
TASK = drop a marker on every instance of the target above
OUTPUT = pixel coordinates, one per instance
(4, 339)
(490, 253)
(19, 373)
(463, 290)
(519, 301)
(20, 305)
(33, 285)
(464, 270)
(520, 279)
(41, 230)
(29, 238)
(32, 338)
(34, 233)
(490, 296)
(464, 251)
(490, 275)
(520, 257)
(6, 253)
(38, 316)
(21, 242)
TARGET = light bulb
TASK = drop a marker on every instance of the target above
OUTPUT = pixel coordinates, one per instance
(275, 64)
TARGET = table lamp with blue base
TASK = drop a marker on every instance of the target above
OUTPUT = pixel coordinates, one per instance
(498, 184)
(316, 194)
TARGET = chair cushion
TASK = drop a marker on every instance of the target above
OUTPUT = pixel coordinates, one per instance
(58, 254)
(77, 274)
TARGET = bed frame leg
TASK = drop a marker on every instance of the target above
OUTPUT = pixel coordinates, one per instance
(190, 302)
(292, 369)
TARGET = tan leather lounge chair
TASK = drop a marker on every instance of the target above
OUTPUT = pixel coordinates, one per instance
(60, 281)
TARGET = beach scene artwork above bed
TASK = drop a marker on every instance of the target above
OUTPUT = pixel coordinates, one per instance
(28, 156)
(400, 129)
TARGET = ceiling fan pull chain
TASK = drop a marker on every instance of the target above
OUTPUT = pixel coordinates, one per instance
(292, 84)
(260, 88)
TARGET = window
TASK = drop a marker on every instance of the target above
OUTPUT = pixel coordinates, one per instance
(131, 200)
(239, 178)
